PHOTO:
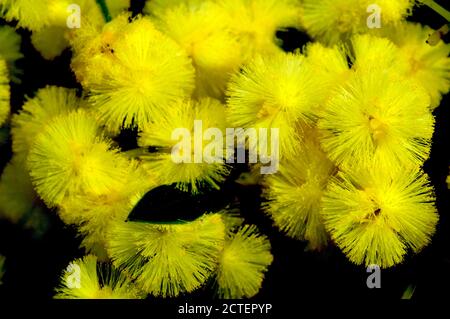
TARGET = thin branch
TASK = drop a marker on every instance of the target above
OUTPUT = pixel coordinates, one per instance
(105, 10)
(438, 8)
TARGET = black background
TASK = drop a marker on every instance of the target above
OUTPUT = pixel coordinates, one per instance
(35, 263)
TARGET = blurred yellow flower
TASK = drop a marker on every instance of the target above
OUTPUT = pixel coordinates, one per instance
(10, 49)
(4, 92)
(295, 191)
(19, 203)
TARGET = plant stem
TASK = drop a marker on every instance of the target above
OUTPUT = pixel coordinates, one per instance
(135, 153)
(438, 8)
(105, 10)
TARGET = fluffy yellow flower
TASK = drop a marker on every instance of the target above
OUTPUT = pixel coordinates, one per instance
(275, 92)
(331, 21)
(429, 65)
(244, 260)
(71, 157)
(204, 32)
(375, 215)
(295, 191)
(94, 214)
(141, 74)
(4, 92)
(255, 22)
(51, 39)
(393, 12)
(48, 103)
(165, 259)
(92, 45)
(370, 52)
(87, 279)
(377, 117)
(188, 175)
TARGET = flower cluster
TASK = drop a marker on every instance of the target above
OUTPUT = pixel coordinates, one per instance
(353, 109)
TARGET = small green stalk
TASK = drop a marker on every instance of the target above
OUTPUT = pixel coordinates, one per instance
(105, 10)
(438, 8)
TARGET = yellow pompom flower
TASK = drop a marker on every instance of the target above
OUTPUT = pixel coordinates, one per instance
(204, 33)
(331, 21)
(244, 260)
(372, 52)
(429, 65)
(295, 191)
(377, 117)
(48, 103)
(170, 166)
(393, 12)
(71, 157)
(255, 22)
(85, 278)
(58, 30)
(94, 214)
(375, 215)
(168, 259)
(275, 92)
(92, 45)
(54, 37)
(4, 92)
(141, 74)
